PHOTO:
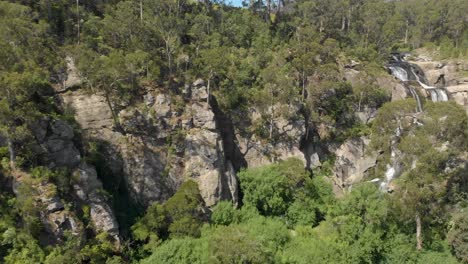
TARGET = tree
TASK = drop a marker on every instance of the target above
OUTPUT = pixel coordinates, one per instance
(109, 76)
(182, 215)
(276, 93)
(23, 75)
(306, 49)
(271, 188)
(457, 236)
(421, 189)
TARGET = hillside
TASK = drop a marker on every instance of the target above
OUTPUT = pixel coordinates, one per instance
(180, 131)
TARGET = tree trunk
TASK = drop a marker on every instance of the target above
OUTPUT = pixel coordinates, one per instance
(349, 19)
(272, 118)
(114, 115)
(169, 59)
(49, 11)
(360, 100)
(141, 10)
(78, 18)
(419, 243)
(11, 152)
(303, 86)
(406, 32)
(343, 23)
(268, 9)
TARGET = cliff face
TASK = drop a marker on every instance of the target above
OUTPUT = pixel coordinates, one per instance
(56, 148)
(172, 136)
(164, 144)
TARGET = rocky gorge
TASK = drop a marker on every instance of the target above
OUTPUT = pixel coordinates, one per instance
(171, 137)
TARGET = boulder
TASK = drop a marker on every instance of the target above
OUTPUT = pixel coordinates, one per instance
(199, 92)
(393, 86)
(352, 76)
(149, 99)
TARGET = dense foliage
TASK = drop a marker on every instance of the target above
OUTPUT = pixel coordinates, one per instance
(267, 55)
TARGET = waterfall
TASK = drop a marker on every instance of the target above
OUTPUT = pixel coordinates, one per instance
(416, 97)
(402, 75)
(442, 94)
(392, 168)
(399, 73)
(437, 94)
(405, 71)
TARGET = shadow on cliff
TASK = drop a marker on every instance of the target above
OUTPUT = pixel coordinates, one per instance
(107, 162)
(226, 127)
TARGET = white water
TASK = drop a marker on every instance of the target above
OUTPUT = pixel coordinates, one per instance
(399, 73)
(416, 97)
(437, 95)
(391, 171)
(389, 175)
(442, 95)
(433, 95)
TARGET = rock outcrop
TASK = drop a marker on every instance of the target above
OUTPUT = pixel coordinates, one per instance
(55, 218)
(289, 135)
(204, 157)
(453, 73)
(459, 93)
(352, 162)
(89, 191)
(434, 69)
(151, 168)
(56, 148)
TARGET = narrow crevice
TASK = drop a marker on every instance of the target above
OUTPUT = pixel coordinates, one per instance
(225, 126)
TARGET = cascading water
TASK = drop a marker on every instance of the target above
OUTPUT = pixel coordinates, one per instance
(399, 73)
(402, 75)
(393, 169)
(405, 72)
(437, 94)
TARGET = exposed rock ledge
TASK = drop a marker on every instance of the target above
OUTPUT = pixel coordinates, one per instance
(352, 162)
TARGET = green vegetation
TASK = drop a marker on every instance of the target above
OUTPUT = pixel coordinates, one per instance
(270, 56)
